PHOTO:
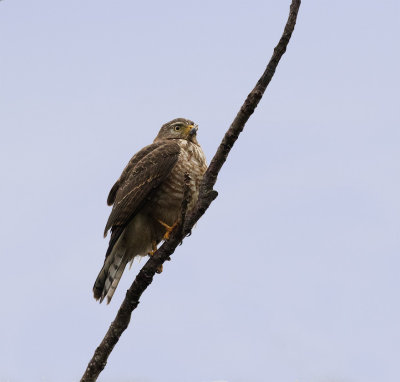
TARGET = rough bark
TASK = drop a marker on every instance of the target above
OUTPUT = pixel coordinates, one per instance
(206, 197)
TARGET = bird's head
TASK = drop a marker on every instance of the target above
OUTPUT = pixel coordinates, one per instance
(179, 128)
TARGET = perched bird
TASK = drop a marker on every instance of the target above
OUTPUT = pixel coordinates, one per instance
(147, 199)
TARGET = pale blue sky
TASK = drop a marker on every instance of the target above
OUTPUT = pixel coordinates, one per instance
(293, 273)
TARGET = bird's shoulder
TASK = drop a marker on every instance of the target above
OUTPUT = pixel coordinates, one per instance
(149, 154)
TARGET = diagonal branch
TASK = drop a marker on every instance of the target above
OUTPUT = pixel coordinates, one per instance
(206, 197)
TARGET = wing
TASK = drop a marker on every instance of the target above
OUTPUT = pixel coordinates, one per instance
(127, 170)
(140, 177)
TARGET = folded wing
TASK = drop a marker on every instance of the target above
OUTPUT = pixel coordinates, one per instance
(143, 174)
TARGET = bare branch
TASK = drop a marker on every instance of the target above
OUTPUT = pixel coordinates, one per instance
(206, 197)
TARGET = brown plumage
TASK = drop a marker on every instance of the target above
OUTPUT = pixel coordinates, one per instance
(148, 192)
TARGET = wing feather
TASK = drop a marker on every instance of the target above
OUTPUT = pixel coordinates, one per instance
(127, 170)
(113, 193)
(143, 174)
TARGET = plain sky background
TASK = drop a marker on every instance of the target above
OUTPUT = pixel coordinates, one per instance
(293, 273)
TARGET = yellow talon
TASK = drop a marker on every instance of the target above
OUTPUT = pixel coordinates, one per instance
(169, 229)
(153, 248)
(152, 252)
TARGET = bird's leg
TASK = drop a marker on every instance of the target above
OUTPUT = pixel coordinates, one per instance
(153, 248)
(169, 228)
(152, 252)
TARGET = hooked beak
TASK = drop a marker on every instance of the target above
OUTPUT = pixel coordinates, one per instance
(193, 130)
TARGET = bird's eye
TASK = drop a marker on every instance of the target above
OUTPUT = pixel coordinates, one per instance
(177, 128)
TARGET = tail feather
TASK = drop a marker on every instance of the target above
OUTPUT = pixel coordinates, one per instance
(111, 289)
(110, 274)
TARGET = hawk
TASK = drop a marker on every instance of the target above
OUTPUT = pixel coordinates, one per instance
(147, 199)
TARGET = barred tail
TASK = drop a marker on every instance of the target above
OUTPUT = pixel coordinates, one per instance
(109, 276)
